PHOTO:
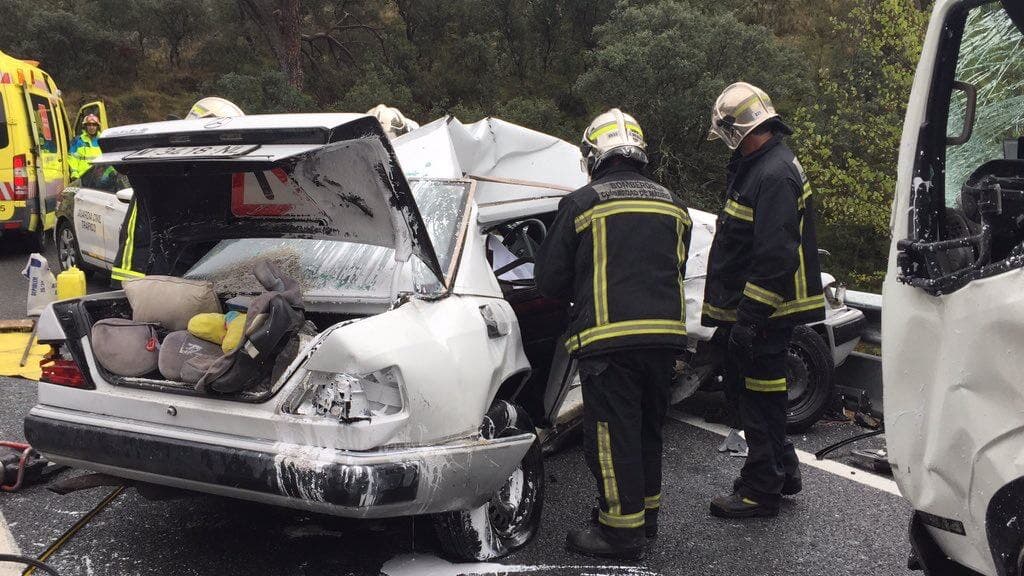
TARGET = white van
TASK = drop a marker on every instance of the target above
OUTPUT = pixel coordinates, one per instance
(953, 321)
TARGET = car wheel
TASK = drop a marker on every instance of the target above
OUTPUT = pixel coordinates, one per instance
(67, 248)
(512, 516)
(809, 376)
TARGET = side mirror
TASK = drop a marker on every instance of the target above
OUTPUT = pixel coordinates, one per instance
(970, 93)
(125, 195)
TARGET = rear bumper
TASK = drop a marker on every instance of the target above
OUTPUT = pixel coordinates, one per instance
(381, 483)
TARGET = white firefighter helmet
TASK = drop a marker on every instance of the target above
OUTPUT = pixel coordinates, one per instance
(739, 109)
(392, 120)
(213, 107)
(613, 133)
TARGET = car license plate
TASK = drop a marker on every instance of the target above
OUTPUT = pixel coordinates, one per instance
(225, 151)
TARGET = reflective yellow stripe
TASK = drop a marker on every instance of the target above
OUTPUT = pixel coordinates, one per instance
(681, 257)
(758, 385)
(49, 220)
(761, 295)
(129, 241)
(19, 203)
(611, 126)
(745, 105)
(627, 328)
(583, 221)
(802, 202)
(801, 273)
(600, 272)
(719, 313)
(737, 210)
(33, 222)
(652, 502)
(122, 274)
(610, 520)
(799, 305)
(604, 460)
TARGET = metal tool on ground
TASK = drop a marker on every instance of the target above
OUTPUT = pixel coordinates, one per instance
(23, 466)
(32, 563)
(77, 527)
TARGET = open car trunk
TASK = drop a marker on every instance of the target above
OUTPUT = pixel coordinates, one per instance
(331, 208)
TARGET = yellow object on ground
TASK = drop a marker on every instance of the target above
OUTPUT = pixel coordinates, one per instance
(208, 326)
(236, 331)
(12, 346)
(70, 283)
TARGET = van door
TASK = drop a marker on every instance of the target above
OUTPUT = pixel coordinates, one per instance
(49, 163)
(953, 320)
(97, 108)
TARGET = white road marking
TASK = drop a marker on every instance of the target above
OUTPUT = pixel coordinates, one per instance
(8, 546)
(806, 458)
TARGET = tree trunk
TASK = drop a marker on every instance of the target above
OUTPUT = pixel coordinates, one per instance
(290, 54)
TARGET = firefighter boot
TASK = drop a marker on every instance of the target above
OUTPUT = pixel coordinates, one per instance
(736, 505)
(650, 520)
(792, 486)
(603, 542)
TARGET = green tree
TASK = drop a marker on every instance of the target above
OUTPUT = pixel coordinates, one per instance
(666, 62)
(848, 138)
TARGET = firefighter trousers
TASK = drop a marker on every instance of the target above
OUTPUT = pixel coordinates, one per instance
(132, 258)
(757, 390)
(625, 398)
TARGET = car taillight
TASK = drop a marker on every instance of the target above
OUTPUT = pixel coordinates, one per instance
(20, 177)
(62, 372)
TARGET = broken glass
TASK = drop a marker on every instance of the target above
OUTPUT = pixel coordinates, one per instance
(992, 60)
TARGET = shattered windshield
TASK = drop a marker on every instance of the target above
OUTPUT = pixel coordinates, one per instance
(334, 269)
(992, 60)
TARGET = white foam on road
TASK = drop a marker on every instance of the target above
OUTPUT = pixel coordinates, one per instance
(806, 458)
(8, 546)
(429, 565)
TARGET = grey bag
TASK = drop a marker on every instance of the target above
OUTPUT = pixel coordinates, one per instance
(178, 349)
(125, 347)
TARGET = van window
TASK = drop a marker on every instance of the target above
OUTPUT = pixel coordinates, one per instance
(967, 216)
(46, 127)
(5, 137)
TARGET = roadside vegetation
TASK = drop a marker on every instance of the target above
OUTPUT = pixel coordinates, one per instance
(840, 71)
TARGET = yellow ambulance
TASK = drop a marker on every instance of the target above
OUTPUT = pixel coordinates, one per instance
(35, 134)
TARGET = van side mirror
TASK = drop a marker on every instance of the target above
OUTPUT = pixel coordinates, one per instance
(970, 95)
(125, 195)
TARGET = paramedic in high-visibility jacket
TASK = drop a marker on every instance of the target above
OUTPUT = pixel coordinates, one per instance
(763, 279)
(85, 148)
(617, 250)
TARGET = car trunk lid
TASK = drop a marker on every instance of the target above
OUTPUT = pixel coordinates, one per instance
(330, 176)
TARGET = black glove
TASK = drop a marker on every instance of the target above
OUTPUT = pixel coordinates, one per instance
(741, 341)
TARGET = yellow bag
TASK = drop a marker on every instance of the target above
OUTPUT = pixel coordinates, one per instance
(208, 326)
(235, 334)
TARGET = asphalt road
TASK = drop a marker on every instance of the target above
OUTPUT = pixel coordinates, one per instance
(835, 527)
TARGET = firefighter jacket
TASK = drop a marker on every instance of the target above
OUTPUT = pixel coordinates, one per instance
(617, 249)
(763, 265)
(133, 251)
(84, 150)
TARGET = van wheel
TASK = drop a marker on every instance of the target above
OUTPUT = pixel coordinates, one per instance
(809, 376)
(512, 516)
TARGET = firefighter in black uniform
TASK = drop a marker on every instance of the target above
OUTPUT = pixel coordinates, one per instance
(763, 280)
(617, 250)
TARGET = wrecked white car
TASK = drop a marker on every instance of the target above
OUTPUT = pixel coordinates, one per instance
(424, 361)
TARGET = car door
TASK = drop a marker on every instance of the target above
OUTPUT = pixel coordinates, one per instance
(49, 162)
(93, 203)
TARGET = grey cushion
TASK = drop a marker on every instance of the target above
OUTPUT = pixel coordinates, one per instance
(179, 348)
(169, 301)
